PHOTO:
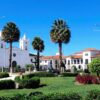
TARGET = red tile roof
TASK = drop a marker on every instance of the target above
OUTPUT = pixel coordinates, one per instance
(76, 56)
(52, 57)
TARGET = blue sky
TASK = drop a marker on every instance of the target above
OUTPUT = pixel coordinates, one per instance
(35, 18)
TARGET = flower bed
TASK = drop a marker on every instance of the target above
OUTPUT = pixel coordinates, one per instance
(87, 79)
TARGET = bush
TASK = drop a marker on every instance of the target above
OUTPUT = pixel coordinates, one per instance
(68, 70)
(56, 96)
(93, 95)
(17, 79)
(4, 74)
(69, 74)
(44, 74)
(87, 79)
(7, 84)
(30, 83)
(38, 74)
(28, 76)
(86, 71)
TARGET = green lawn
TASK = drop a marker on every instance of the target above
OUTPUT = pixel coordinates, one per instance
(54, 85)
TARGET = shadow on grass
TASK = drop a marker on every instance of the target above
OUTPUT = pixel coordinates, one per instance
(42, 85)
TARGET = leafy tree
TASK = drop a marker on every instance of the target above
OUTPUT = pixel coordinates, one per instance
(94, 66)
(38, 44)
(60, 33)
(29, 67)
(10, 34)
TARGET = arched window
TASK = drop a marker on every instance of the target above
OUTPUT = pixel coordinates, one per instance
(26, 48)
(1, 45)
(79, 67)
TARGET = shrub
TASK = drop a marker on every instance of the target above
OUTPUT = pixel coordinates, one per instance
(86, 71)
(73, 69)
(68, 70)
(28, 76)
(69, 74)
(4, 74)
(38, 74)
(40, 96)
(44, 74)
(93, 95)
(57, 96)
(80, 71)
(30, 83)
(17, 79)
(7, 84)
(87, 79)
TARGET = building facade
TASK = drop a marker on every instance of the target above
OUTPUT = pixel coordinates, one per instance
(79, 59)
(20, 56)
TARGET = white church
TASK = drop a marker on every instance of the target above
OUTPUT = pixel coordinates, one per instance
(20, 55)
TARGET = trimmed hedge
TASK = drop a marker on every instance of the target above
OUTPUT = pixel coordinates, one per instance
(55, 96)
(3, 74)
(7, 84)
(69, 74)
(17, 79)
(44, 74)
(93, 95)
(38, 74)
(30, 83)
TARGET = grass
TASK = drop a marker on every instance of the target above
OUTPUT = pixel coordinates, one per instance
(54, 85)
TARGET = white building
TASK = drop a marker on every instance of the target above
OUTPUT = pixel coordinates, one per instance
(20, 55)
(80, 59)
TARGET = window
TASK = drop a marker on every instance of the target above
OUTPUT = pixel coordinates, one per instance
(50, 62)
(14, 54)
(86, 61)
(32, 60)
(74, 61)
(45, 61)
(1, 45)
(56, 64)
(26, 48)
(71, 61)
(68, 62)
(55, 61)
(26, 42)
(64, 61)
(79, 67)
(81, 61)
(77, 61)
(86, 54)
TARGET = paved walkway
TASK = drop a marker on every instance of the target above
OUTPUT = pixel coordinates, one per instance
(12, 77)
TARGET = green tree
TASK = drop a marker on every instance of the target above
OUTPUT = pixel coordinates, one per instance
(94, 66)
(10, 34)
(60, 33)
(29, 67)
(38, 44)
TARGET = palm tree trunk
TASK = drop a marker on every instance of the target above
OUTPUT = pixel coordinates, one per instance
(10, 58)
(38, 60)
(60, 55)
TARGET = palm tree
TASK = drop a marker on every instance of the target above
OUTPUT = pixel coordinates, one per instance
(60, 33)
(38, 44)
(10, 34)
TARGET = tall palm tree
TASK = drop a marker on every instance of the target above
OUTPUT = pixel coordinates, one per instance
(60, 33)
(10, 34)
(38, 44)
